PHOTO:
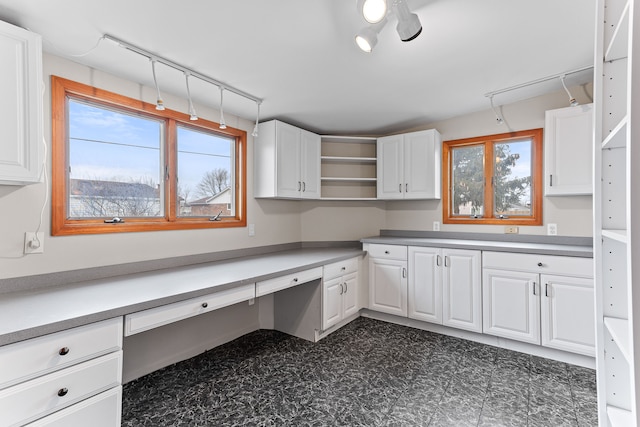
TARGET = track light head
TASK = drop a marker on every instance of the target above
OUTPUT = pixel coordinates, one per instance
(160, 104)
(366, 39)
(409, 26)
(373, 11)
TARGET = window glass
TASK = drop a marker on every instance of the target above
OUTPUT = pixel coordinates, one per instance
(512, 178)
(205, 174)
(114, 163)
(467, 173)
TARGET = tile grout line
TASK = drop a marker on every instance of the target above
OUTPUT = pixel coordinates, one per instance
(486, 392)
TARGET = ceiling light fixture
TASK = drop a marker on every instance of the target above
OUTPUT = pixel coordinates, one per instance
(255, 128)
(223, 125)
(572, 100)
(499, 119)
(159, 102)
(375, 12)
(192, 110)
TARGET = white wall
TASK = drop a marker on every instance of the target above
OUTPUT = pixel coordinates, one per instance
(572, 214)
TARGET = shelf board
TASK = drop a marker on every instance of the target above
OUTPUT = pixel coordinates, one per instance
(617, 138)
(348, 159)
(356, 199)
(351, 139)
(619, 45)
(336, 178)
(619, 417)
(617, 235)
(619, 330)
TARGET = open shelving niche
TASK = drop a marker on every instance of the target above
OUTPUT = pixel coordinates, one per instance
(616, 251)
(348, 168)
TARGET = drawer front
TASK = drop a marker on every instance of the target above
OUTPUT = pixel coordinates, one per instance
(337, 269)
(41, 396)
(103, 410)
(38, 356)
(388, 251)
(273, 285)
(543, 264)
(155, 317)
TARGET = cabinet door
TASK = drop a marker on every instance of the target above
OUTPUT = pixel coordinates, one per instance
(569, 151)
(350, 295)
(461, 290)
(388, 286)
(422, 159)
(511, 305)
(568, 314)
(390, 167)
(331, 302)
(425, 284)
(288, 183)
(20, 105)
(310, 165)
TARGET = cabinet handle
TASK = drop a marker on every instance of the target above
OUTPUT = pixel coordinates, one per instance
(446, 261)
(546, 290)
(551, 180)
(346, 287)
(534, 288)
(299, 185)
(304, 186)
(404, 273)
(406, 187)
(63, 391)
(438, 260)
(399, 188)
(539, 264)
(205, 305)
(341, 288)
(63, 351)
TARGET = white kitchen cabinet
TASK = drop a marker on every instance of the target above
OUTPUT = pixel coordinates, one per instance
(388, 279)
(21, 86)
(64, 370)
(540, 299)
(287, 162)
(340, 292)
(462, 289)
(409, 165)
(425, 284)
(568, 148)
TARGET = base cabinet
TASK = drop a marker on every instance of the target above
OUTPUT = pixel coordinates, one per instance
(425, 284)
(339, 292)
(388, 279)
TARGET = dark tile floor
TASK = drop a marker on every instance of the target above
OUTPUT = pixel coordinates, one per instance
(368, 373)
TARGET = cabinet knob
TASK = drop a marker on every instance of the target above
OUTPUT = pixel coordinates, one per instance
(295, 279)
(539, 264)
(343, 268)
(63, 391)
(386, 252)
(63, 351)
(205, 305)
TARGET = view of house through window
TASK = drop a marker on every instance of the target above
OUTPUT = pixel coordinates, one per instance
(115, 157)
(494, 178)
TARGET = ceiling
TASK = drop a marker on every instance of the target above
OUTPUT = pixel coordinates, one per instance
(299, 56)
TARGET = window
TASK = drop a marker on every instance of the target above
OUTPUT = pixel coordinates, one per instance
(120, 165)
(495, 179)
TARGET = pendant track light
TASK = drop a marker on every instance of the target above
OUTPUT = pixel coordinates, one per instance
(572, 100)
(375, 12)
(223, 125)
(192, 110)
(499, 119)
(159, 102)
(255, 128)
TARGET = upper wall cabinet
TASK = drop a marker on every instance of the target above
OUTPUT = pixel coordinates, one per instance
(409, 165)
(569, 151)
(287, 162)
(21, 86)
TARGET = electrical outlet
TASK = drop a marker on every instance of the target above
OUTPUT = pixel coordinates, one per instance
(252, 230)
(511, 230)
(33, 244)
(552, 229)
(436, 225)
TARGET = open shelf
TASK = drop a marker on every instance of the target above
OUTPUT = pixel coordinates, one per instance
(618, 46)
(337, 178)
(619, 417)
(348, 168)
(619, 330)
(348, 159)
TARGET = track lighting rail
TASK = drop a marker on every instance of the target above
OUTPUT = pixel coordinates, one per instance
(169, 63)
(533, 82)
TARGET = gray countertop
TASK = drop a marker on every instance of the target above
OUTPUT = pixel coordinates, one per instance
(28, 314)
(554, 247)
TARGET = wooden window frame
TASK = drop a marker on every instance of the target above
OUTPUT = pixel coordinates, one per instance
(61, 90)
(488, 141)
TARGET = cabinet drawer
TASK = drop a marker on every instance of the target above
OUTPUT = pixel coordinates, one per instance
(38, 356)
(388, 251)
(154, 317)
(41, 396)
(544, 264)
(103, 410)
(339, 268)
(273, 285)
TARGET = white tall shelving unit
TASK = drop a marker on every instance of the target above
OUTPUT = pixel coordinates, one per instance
(616, 205)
